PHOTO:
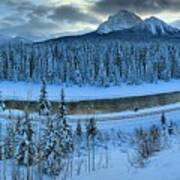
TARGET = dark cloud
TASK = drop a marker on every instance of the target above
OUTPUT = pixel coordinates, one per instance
(13, 19)
(33, 28)
(141, 6)
(72, 14)
(25, 6)
(67, 13)
(24, 17)
(5, 25)
(18, 5)
(28, 17)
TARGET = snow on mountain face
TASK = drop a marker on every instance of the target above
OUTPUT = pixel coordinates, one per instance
(122, 20)
(155, 26)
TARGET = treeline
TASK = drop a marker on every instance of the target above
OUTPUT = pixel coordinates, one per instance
(100, 63)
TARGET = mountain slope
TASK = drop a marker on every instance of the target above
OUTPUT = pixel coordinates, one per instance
(120, 21)
(129, 27)
(147, 31)
(155, 27)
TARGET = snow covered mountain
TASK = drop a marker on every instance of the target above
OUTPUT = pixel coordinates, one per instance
(155, 27)
(128, 22)
(120, 21)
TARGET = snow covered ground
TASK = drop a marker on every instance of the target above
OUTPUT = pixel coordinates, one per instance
(30, 91)
(163, 166)
(119, 166)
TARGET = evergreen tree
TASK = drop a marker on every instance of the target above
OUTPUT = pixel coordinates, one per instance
(78, 138)
(91, 129)
(59, 141)
(1, 142)
(79, 129)
(91, 62)
(51, 152)
(9, 141)
(102, 75)
(78, 77)
(65, 128)
(2, 104)
(26, 149)
(44, 104)
(46, 140)
(163, 119)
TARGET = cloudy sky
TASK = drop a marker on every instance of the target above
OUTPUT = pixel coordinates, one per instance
(50, 18)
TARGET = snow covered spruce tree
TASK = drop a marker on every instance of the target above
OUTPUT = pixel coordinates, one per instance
(91, 129)
(78, 129)
(44, 104)
(10, 142)
(78, 138)
(163, 119)
(1, 143)
(50, 150)
(2, 104)
(58, 141)
(90, 62)
(26, 149)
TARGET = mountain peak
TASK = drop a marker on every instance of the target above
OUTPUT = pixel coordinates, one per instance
(122, 20)
(153, 19)
(155, 26)
(123, 12)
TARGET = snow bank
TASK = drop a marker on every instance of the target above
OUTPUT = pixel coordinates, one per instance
(30, 91)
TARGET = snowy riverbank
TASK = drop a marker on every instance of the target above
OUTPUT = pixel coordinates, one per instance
(30, 91)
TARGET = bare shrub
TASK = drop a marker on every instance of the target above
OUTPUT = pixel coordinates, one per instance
(147, 142)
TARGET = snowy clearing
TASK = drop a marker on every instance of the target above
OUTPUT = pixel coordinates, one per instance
(30, 91)
(156, 167)
(163, 166)
(119, 166)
